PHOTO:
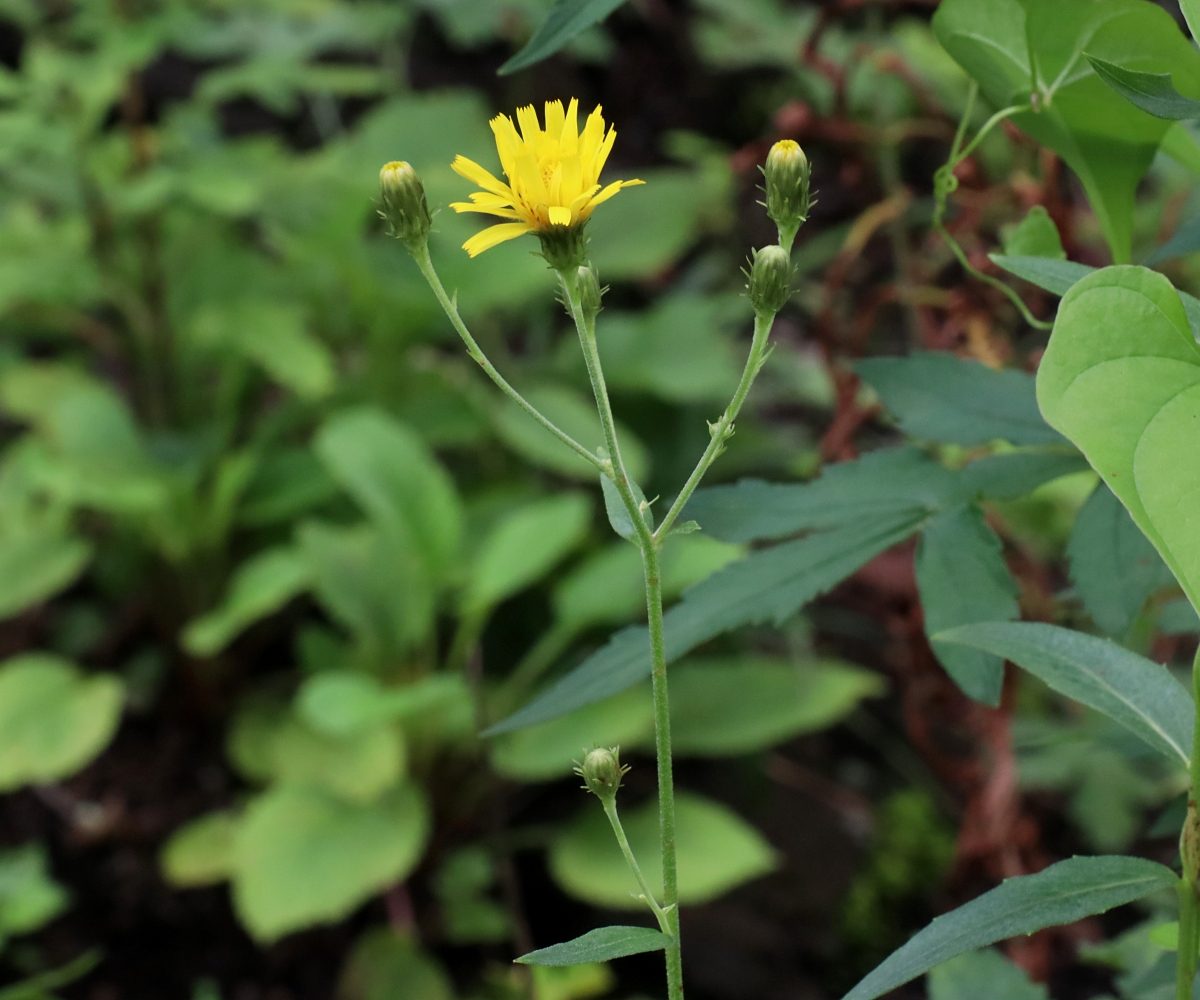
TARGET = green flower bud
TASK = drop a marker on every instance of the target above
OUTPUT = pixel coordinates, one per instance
(403, 205)
(770, 279)
(590, 292)
(787, 173)
(602, 772)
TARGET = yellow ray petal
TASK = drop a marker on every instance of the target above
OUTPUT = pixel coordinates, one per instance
(611, 189)
(472, 171)
(496, 210)
(531, 131)
(560, 215)
(507, 143)
(554, 120)
(569, 139)
(493, 235)
(602, 153)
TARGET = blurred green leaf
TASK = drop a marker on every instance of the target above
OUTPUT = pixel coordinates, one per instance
(961, 978)
(1036, 235)
(386, 965)
(736, 706)
(261, 586)
(716, 851)
(304, 857)
(201, 852)
(523, 547)
(54, 719)
(36, 563)
(29, 896)
(565, 20)
(1062, 894)
(962, 579)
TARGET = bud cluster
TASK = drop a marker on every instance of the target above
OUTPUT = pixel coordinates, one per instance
(402, 203)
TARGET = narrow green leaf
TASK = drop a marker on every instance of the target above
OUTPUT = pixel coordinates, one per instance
(941, 397)
(885, 483)
(618, 516)
(1191, 14)
(567, 18)
(601, 945)
(1152, 92)
(1062, 894)
(767, 586)
(962, 578)
(1137, 693)
(1131, 404)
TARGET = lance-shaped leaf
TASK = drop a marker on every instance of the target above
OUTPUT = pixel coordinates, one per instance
(1062, 894)
(1152, 92)
(1137, 693)
(600, 945)
(1121, 379)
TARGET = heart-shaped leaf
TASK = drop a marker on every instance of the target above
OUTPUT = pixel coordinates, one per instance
(1121, 379)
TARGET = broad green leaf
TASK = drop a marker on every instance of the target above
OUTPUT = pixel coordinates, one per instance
(391, 473)
(766, 586)
(1178, 618)
(1152, 92)
(387, 965)
(961, 978)
(737, 706)
(1137, 693)
(1113, 565)
(268, 742)
(962, 579)
(1062, 894)
(201, 851)
(547, 750)
(1013, 47)
(261, 586)
(885, 483)
(1130, 402)
(601, 945)
(53, 718)
(716, 851)
(941, 397)
(566, 19)
(303, 857)
(1185, 240)
(523, 547)
(36, 563)
(29, 896)
(1036, 235)
(342, 703)
(575, 414)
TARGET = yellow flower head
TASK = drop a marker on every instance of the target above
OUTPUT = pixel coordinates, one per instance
(553, 174)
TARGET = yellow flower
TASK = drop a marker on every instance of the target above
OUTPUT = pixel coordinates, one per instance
(553, 175)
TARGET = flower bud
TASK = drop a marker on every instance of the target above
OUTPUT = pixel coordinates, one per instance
(770, 279)
(589, 290)
(403, 205)
(602, 772)
(787, 174)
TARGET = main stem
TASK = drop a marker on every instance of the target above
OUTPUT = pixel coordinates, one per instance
(666, 777)
(648, 543)
(1189, 850)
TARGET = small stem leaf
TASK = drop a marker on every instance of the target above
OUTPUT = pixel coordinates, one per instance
(1062, 894)
(601, 945)
(1137, 693)
(618, 515)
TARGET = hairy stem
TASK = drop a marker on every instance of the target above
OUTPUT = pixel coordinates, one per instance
(614, 820)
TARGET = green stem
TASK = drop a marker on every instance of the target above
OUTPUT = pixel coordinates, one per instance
(648, 543)
(425, 265)
(666, 778)
(586, 327)
(1189, 850)
(610, 810)
(722, 430)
